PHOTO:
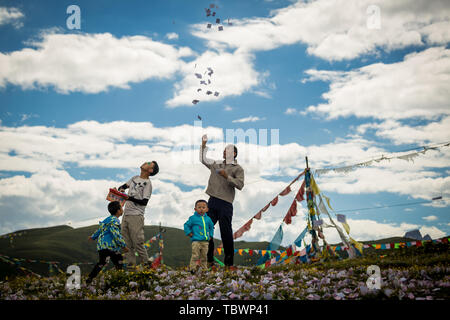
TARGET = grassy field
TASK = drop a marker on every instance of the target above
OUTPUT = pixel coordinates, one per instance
(407, 273)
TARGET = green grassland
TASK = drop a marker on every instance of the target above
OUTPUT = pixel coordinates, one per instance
(68, 245)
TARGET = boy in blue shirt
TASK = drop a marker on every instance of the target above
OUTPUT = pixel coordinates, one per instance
(201, 229)
(110, 240)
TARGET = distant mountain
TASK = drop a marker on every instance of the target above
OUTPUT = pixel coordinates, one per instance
(416, 235)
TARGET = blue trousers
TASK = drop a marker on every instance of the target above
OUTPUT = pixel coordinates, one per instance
(222, 211)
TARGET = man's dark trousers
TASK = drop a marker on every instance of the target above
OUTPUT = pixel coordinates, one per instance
(222, 211)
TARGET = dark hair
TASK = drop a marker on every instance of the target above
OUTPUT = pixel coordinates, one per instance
(155, 168)
(113, 207)
(201, 200)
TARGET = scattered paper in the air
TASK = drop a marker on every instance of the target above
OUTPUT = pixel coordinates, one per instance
(220, 28)
(195, 101)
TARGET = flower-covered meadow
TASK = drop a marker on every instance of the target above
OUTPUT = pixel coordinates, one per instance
(294, 282)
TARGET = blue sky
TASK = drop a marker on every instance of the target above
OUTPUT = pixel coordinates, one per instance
(82, 109)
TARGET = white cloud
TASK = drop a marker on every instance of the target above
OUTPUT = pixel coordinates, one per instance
(414, 87)
(435, 131)
(430, 218)
(172, 36)
(334, 36)
(248, 119)
(233, 75)
(45, 151)
(89, 63)
(292, 111)
(11, 16)
(228, 108)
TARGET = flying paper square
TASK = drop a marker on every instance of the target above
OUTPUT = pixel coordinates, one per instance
(198, 75)
(217, 20)
(220, 28)
(341, 218)
(208, 92)
(209, 25)
(216, 94)
(195, 101)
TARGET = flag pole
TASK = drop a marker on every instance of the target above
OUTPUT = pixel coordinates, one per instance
(312, 212)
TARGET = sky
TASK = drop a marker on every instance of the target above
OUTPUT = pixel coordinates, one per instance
(83, 105)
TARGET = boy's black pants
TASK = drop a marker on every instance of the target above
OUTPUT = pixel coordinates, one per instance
(222, 211)
(116, 258)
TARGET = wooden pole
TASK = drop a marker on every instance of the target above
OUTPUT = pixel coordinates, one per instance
(312, 213)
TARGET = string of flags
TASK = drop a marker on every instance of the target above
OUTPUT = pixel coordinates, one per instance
(407, 157)
(148, 243)
(157, 258)
(282, 256)
(11, 236)
(291, 254)
(383, 246)
(292, 210)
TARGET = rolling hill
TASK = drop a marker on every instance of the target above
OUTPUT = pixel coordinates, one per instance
(68, 245)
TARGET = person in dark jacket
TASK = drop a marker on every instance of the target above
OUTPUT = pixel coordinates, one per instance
(225, 177)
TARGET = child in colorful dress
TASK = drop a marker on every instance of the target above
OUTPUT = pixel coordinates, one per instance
(110, 240)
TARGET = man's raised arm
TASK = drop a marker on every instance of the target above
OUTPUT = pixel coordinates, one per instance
(202, 155)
